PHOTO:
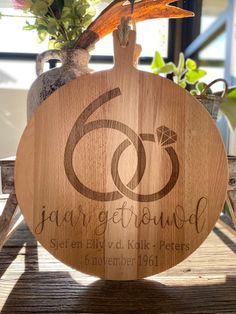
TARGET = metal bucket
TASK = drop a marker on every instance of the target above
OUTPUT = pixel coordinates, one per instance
(212, 102)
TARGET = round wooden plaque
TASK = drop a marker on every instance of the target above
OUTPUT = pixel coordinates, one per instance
(121, 174)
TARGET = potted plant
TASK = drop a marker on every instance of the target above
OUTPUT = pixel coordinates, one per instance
(60, 21)
(187, 75)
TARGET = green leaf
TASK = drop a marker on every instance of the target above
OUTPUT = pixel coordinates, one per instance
(29, 27)
(231, 94)
(91, 11)
(39, 8)
(168, 68)
(192, 76)
(182, 84)
(158, 62)
(194, 92)
(191, 64)
(80, 10)
(42, 34)
(68, 3)
(41, 22)
(87, 19)
(50, 2)
(180, 67)
(67, 22)
(66, 12)
(52, 27)
(200, 87)
(51, 44)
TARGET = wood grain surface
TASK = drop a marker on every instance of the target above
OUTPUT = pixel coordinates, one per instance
(121, 174)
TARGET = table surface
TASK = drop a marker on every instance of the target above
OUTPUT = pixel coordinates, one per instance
(32, 281)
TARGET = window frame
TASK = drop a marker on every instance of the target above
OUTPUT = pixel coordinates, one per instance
(225, 22)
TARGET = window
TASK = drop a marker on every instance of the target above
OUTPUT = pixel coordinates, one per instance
(17, 44)
(13, 38)
(211, 9)
(213, 53)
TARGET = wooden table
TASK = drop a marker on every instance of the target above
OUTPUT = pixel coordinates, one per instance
(32, 281)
